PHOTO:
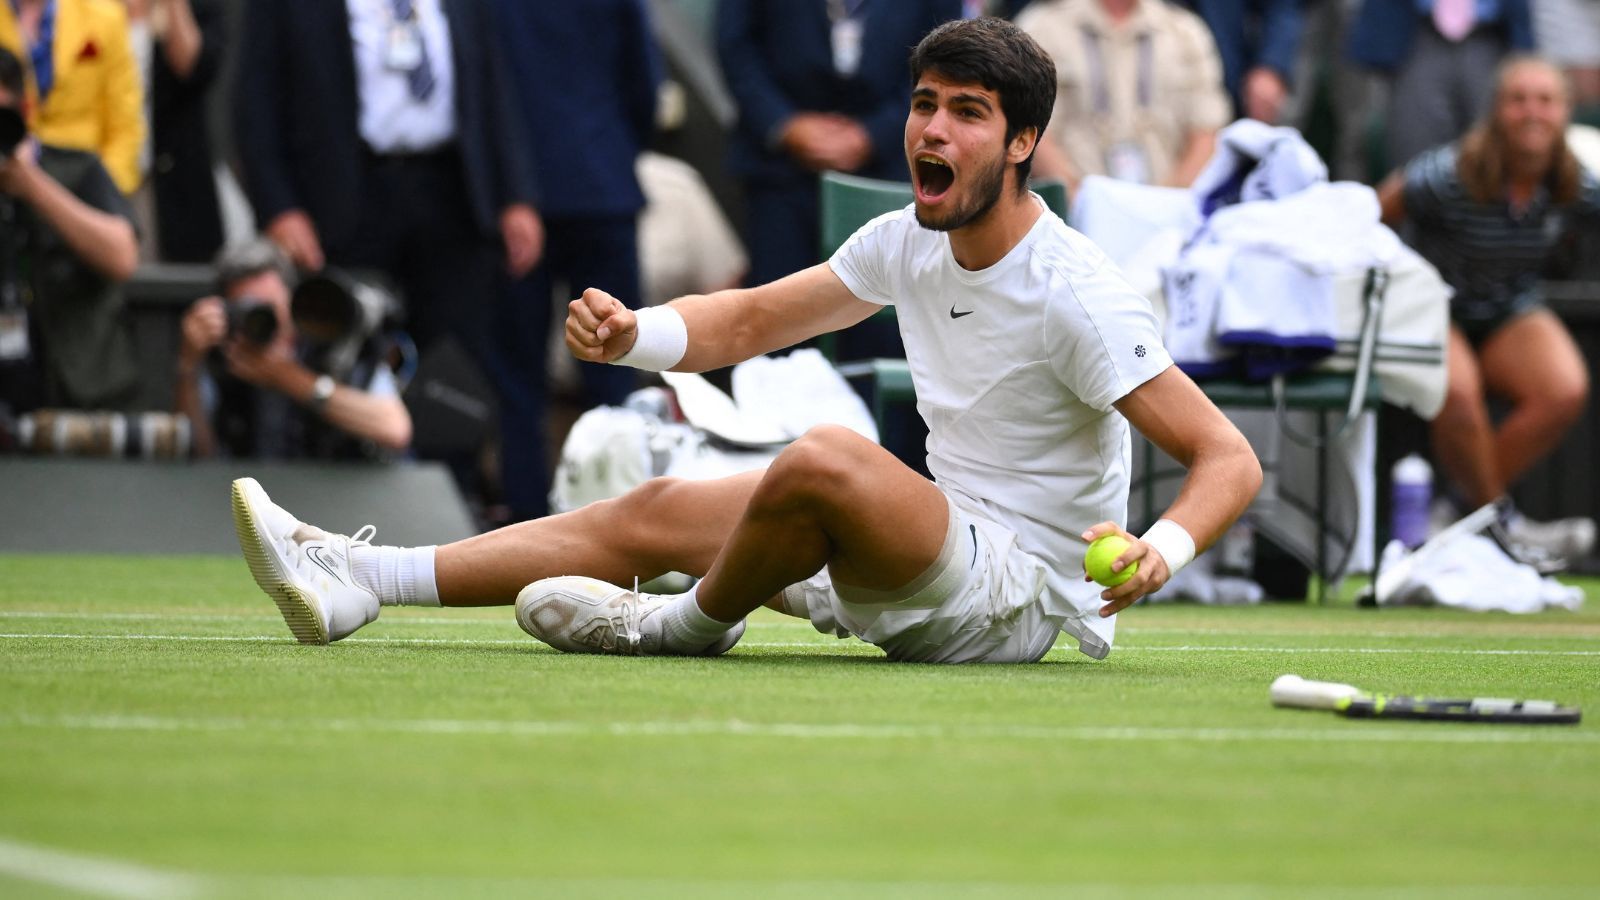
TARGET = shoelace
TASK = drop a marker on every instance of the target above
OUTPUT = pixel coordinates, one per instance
(618, 627)
(364, 535)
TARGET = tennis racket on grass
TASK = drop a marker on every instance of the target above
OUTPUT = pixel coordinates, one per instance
(1352, 702)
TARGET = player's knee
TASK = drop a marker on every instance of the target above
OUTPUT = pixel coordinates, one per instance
(818, 466)
(639, 508)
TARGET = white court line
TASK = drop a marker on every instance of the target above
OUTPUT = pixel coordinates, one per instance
(1138, 630)
(821, 642)
(1423, 733)
(92, 875)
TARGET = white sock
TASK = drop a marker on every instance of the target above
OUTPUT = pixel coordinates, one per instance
(685, 626)
(397, 576)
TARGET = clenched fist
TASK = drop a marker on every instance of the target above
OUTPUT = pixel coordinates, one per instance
(599, 327)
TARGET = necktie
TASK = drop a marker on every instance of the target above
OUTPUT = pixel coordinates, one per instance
(1454, 18)
(419, 79)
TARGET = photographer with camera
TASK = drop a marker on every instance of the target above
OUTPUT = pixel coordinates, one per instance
(67, 242)
(270, 372)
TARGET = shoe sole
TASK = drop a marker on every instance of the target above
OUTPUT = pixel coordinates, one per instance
(292, 604)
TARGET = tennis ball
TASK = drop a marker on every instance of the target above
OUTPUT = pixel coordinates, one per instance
(1102, 553)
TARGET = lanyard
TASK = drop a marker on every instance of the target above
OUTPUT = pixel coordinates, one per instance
(1097, 71)
(40, 51)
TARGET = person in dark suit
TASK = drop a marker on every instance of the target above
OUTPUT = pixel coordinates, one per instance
(1441, 76)
(586, 137)
(820, 84)
(383, 134)
(187, 55)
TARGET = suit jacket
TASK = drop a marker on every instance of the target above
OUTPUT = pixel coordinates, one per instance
(1252, 33)
(97, 101)
(777, 58)
(587, 132)
(1384, 29)
(189, 223)
(296, 109)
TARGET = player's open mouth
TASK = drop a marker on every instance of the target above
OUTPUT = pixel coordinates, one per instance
(933, 177)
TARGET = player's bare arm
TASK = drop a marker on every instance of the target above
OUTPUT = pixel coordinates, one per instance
(1223, 476)
(726, 327)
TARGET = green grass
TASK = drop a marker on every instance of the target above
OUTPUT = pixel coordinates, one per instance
(154, 713)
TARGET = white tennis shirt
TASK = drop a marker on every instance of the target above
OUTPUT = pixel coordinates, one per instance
(1016, 368)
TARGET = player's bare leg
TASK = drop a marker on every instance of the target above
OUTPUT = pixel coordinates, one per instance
(832, 499)
(664, 525)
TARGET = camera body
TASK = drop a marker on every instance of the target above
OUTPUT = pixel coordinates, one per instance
(13, 128)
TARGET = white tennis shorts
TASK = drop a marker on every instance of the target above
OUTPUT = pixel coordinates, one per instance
(978, 602)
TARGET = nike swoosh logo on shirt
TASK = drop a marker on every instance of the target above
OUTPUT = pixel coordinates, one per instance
(974, 545)
(957, 315)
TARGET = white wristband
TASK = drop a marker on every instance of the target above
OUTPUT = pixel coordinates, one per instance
(659, 340)
(1172, 542)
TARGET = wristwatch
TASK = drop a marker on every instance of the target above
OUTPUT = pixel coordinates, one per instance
(321, 392)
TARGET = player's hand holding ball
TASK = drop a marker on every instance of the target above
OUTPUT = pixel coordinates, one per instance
(599, 327)
(1127, 567)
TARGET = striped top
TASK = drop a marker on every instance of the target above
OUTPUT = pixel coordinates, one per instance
(1491, 254)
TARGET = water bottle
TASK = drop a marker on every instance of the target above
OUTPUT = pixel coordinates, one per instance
(1413, 494)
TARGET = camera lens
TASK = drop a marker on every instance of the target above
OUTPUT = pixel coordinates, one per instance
(253, 319)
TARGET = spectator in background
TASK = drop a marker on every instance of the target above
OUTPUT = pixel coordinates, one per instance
(1259, 43)
(820, 85)
(1567, 32)
(180, 45)
(1139, 95)
(67, 241)
(587, 74)
(384, 134)
(1486, 211)
(252, 386)
(1440, 57)
(86, 85)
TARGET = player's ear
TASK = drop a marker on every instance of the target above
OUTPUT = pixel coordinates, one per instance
(1021, 145)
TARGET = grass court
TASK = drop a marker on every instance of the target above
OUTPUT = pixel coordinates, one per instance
(161, 735)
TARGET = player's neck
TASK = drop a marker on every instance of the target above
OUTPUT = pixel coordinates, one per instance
(987, 240)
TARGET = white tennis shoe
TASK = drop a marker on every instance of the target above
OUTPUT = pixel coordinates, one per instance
(305, 570)
(575, 614)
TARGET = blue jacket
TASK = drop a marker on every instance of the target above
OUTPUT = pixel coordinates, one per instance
(777, 58)
(1384, 29)
(296, 109)
(586, 74)
(1251, 33)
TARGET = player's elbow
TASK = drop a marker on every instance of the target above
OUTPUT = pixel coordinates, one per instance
(1247, 467)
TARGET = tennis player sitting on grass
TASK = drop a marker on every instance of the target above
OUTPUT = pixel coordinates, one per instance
(1029, 354)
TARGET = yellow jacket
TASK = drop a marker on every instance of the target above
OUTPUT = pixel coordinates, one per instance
(97, 101)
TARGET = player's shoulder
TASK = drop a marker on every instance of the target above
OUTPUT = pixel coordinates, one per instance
(1063, 250)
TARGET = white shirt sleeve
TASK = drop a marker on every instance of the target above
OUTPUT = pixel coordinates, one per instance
(1103, 336)
(861, 261)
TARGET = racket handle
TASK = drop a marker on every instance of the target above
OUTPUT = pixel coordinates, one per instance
(1292, 690)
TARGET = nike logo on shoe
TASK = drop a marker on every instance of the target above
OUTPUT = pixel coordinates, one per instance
(957, 315)
(315, 555)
